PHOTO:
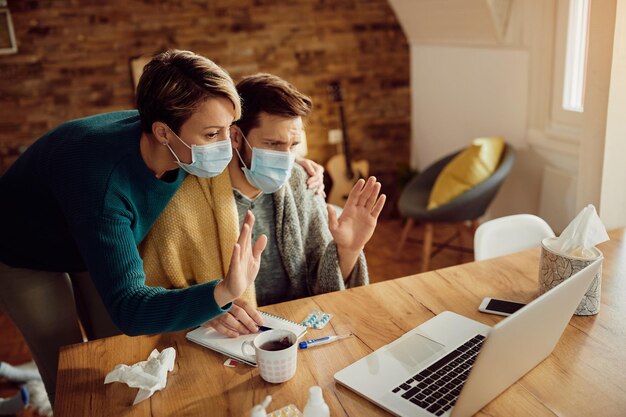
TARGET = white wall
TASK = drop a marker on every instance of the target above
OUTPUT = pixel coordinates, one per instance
(468, 83)
(613, 191)
(459, 94)
(598, 80)
(462, 90)
(447, 21)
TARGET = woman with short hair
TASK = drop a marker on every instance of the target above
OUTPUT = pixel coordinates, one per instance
(85, 194)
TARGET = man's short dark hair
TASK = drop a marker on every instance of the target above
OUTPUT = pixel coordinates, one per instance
(270, 94)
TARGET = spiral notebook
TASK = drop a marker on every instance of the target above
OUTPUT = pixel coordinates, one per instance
(231, 347)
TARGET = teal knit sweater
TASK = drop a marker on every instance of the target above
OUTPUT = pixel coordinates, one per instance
(81, 197)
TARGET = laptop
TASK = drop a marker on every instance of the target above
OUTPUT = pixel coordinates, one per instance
(436, 369)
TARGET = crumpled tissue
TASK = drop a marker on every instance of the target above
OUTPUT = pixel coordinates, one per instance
(149, 375)
(581, 235)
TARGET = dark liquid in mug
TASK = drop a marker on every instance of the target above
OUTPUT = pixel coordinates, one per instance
(274, 345)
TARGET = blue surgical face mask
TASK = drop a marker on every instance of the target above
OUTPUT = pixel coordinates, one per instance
(269, 170)
(207, 161)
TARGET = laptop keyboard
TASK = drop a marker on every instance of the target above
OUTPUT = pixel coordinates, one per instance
(437, 387)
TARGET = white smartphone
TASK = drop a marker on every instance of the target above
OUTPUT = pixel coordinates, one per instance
(500, 307)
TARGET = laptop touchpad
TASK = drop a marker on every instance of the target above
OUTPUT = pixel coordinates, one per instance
(414, 349)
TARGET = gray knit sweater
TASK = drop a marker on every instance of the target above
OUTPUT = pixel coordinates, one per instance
(306, 246)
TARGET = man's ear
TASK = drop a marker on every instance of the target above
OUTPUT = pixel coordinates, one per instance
(160, 130)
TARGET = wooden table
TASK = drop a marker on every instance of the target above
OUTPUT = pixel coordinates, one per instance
(585, 375)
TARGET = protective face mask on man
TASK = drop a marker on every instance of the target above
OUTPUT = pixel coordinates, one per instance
(207, 161)
(269, 170)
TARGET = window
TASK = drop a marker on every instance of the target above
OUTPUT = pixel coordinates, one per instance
(7, 36)
(576, 55)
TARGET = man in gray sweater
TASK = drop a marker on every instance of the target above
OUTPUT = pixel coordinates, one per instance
(309, 251)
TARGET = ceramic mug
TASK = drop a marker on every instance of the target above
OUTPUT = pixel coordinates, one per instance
(555, 268)
(275, 352)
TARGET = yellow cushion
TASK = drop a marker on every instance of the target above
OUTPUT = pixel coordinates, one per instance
(469, 168)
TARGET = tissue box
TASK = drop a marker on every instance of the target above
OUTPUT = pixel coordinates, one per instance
(554, 268)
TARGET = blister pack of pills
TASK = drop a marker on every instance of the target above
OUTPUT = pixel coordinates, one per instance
(287, 411)
(317, 319)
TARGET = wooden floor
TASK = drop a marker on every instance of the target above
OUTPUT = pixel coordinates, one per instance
(385, 262)
(383, 259)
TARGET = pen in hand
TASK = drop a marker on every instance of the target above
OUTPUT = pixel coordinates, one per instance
(322, 341)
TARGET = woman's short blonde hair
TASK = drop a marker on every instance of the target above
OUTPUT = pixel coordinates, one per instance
(175, 83)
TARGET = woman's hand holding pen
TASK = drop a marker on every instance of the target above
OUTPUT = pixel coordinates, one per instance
(244, 264)
(241, 319)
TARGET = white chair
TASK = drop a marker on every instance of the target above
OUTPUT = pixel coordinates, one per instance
(509, 234)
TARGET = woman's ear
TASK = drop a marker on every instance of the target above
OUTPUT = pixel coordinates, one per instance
(235, 136)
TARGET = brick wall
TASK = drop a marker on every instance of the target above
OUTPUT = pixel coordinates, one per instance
(73, 61)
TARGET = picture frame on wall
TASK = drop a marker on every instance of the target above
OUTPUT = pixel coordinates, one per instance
(8, 44)
(136, 68)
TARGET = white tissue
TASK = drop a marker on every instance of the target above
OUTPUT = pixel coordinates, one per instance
(149, 375)
(581, 235)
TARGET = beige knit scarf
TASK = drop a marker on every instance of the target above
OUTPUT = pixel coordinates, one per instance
(193, 239)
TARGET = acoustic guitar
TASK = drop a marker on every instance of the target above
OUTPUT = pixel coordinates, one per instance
(343, 171)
